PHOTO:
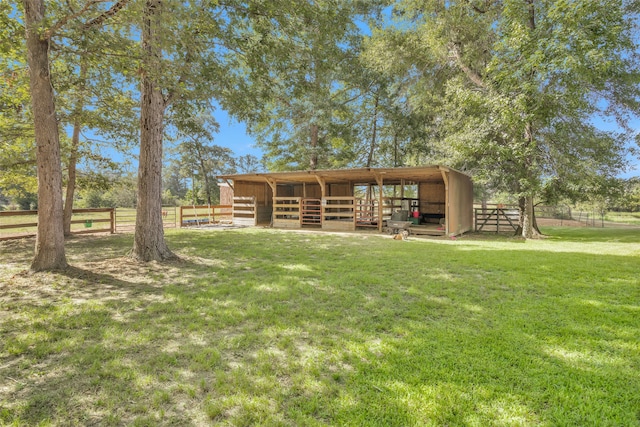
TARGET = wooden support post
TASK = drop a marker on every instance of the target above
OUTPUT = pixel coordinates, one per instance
(112, 218)
(274, 192)
(445, 178)
(323, 194)
(380, 182)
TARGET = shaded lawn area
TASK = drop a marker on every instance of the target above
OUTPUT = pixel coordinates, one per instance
(265, 327)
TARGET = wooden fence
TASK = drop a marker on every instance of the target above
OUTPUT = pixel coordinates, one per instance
(126, 218)
(21, 224)
(496, 219)
(204, 214)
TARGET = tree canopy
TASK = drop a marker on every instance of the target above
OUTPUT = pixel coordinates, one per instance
(513, 87)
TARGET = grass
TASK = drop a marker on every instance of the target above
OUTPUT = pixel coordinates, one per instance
(624, 217)
(263, 327)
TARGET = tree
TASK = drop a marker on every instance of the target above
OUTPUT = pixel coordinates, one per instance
(179, 70)
(149, 243)
(248, 164)
(200, 160)
(49, 253)
(300, 74)
(518, 75)
(86, 73)
(40, 32)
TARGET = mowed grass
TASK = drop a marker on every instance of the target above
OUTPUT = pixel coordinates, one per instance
(264, 327)
(624, 217)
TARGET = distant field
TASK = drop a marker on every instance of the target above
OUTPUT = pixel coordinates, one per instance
(624, 217)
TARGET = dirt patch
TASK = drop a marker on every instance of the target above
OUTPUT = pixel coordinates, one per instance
(553, 222)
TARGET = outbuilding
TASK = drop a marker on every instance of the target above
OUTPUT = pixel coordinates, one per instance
(436, 199)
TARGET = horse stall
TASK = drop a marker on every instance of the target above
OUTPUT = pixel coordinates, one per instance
(437, 200)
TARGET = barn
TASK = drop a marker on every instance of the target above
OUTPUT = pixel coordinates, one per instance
(436, 199)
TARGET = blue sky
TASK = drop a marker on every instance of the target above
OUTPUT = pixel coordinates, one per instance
(234, 135)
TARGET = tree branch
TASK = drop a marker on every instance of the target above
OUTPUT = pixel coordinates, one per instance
(471, 74)
(50, 32)
(108, 14)
(487, 5)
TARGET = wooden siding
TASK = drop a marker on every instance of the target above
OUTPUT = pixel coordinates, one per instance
(460, 215)
(432, 199)
(226, 194)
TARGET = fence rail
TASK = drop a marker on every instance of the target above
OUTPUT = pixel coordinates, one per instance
(126, 218)
(204, 214)
(559, 215)
(496, 219)
(21, 224)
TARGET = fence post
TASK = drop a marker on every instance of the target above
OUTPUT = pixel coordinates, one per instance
(175, 217)
(181, 207)
(475, 219)
(112, 218)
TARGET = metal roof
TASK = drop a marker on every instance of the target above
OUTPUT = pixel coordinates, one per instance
(356, 176)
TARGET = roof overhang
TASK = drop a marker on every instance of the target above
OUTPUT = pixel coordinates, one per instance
(354, 176)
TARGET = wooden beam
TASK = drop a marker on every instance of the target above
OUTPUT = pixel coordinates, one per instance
(322, 183)
(273, 184)
(229, 183)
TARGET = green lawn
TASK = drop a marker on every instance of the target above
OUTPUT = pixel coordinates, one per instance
(264, 327)
(624, 217)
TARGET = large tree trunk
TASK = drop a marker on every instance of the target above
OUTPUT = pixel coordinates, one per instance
(527, 226)
(49, 250)
(149, 243)
(313, 158)
(372, 147)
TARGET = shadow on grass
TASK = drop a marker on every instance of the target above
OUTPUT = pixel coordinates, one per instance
(288, 329)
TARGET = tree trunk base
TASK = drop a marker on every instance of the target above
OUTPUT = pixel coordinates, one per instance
(48, 260)
(152, 253)
(536, 234)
